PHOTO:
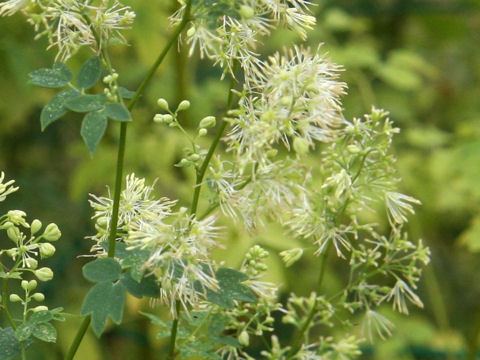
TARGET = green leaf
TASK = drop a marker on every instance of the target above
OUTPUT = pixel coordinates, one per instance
(147, 287)
(118, 112)
(86, 103)
(14, 275)
(89, 73)
(9, 344)
(40, 317)
(45, 332)
(104, 300)
(134, 260)
(231, 288)
(93, 128)
(126, 94)
(157, 321)
(99, 270)
(54, 109)
(58, 76)
(24, 331)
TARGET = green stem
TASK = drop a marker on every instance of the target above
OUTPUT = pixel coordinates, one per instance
(78, 338)
(211, 150)
(472, 343)
(120, 161)
(297, 342)
(173, 334)
(5, 304)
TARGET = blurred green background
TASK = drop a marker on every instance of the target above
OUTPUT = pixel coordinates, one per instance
(418, 59)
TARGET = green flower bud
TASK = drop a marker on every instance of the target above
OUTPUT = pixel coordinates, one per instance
(44, 274)
(46, 250)
(14, 234)
(247, 12)
(184, 105)
(202, 132)
(24, 284)
(244, 338)
(168, 119)
(301, 146)
(191, 31)
(52, 232)
(11, 253)
(15, 298)
(40, 308)
(17, 217)
(163, 104)
(32, 285)
(35, 226)
(31, 263)
(207, 122)
(353, 149)
(38, 297)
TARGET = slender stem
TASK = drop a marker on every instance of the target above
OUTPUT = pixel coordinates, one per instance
(78, 338)
(297, 342)
(120, 161)
(5, 304)
(173, 333)
(211, 150)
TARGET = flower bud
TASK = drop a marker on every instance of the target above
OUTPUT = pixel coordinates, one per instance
(52, 232)
(11, 253)
(13, 234)
(32, 285)
(247, 12)
(17, 217)
(46, 250)
(167, 119)
(40, 308)
(184, 105)
(38, 297)
(191, 31)
(15, 298)
(202, 132)
(353, 149)
(207, 122)
(24, 284)
(244, 338)
(31, 263)
(35, 226)
(44, 274)
(163, 104)
(301, 146)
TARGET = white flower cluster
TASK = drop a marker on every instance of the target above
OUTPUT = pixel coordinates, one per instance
(71, 24)
(226, 31)
(178, 244)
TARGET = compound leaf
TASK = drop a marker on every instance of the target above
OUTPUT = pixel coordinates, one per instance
(117, 112)
(89, 73)
(104, 300)
(146, 287)
(93, 128)
(231, 288)
(58, 76)
(45, 332)
(86, 103)
(9, 344)
(54, 109)
(103, 269)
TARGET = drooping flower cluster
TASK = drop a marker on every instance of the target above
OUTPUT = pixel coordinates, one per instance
(178, 245)
(227, 31)
(71, 24)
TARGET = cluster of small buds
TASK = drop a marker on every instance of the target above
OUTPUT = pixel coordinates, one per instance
(28, 287)
(170, 119)
(112, 90)
(253, 264)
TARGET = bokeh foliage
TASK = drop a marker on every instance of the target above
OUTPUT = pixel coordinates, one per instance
(419, 59)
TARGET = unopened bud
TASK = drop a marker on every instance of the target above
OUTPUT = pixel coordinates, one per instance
(52, 232)
(191, 31)
(35, 226)
(44, 274)
(15, 298)
(244, 338)
(301, 146)
(184, 105)
(31, 263)
(163, 104)
(247, 12)
(24, 284)
(207, 122)
(40, 308)
(291, 256)
(202, 132)
(13, 234)
(38, 297)
(46, 250)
